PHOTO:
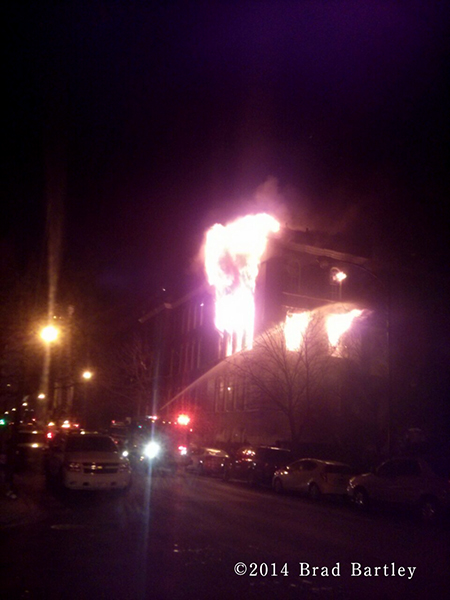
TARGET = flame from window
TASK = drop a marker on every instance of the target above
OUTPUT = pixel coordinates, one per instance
(232, 257)
(295, 328)
(336, 325)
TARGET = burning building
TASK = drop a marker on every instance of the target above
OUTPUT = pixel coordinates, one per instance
(293, 291)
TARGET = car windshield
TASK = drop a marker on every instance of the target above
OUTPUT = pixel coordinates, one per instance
(90, 443)
(272, 454)
(440, 465)
(342, 469)
(28, 437)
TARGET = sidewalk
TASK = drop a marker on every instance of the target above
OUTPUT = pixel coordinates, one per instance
(24, 509)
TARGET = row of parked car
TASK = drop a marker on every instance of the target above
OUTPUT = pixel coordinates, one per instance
(408, 482)
(82, 460)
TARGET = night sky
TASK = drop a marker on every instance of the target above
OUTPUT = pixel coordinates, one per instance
(154, 120)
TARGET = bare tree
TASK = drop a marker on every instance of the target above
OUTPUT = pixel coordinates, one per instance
(130, 374)
(286, 379)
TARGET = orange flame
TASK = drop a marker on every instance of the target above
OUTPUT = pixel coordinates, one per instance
(232, 257)
(295, 328)
(337, 325)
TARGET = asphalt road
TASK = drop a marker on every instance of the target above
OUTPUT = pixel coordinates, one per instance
(181, 538)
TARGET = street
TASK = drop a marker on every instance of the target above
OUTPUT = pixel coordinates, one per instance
(190, 537)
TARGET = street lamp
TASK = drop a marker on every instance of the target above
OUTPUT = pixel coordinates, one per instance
(86, 376)
(48, 334)
(337, 276)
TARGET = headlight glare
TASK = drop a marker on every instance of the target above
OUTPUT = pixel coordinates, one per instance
(152, 449)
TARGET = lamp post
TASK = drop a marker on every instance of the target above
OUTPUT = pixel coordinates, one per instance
(337, 276)
(49, 335)
(86, 376)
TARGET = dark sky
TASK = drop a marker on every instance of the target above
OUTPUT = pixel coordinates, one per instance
(155, 119)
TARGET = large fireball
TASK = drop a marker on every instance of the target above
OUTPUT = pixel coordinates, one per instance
(232, 257)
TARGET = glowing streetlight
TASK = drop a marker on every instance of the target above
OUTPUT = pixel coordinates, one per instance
(336, 278)
(87, 376)
(339, 276)
(49, 334)
(385, 284)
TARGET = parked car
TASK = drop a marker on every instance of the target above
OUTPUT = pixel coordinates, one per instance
(313, 477)
(87, 461)
(408, 483)
(207, 461)
(256, 465)
(30, 447)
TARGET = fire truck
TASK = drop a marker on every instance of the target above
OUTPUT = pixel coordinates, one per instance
(164, 443)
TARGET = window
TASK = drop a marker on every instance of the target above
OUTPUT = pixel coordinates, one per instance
(199, 353)
(308, 465)
(407, 468)
(181, 361)
(192, 357)
(239, 395)
(184, 317)
(294, 467)
(28, 437)
(292, 276)
(90, 443)
(274, 455)
(229, 395)
(387, 469)
(191, 317)
(338, 469)
(220, 394)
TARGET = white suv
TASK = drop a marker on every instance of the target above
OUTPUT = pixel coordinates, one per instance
(88, 461)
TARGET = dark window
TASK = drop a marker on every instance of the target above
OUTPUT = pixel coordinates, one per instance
(308, 465)
(387, 469)
(295, 466)
(440, 465)
(292, 276)
(229, 396)
(343, 469)
(87, 443)
(220, 394)
(273, 455)
(30, 438)
(239, 395)
(407, 468)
